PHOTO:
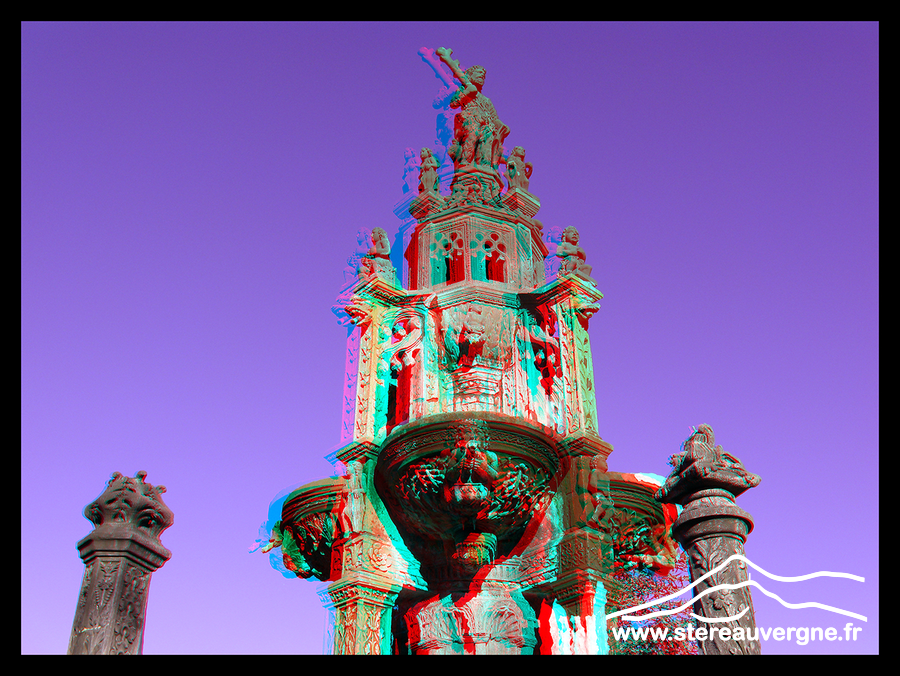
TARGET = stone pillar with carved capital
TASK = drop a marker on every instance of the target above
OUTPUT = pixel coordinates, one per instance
(712, 529)
(119, 555)
(585, 550)
(363, 604)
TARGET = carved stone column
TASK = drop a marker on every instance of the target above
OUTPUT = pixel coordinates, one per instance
(363, 605)
(711, 528)
(585, 550)
(119, 555)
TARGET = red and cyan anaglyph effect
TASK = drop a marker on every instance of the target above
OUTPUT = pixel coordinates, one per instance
(477, 513)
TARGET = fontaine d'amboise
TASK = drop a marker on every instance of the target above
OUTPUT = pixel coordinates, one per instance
(477, 513)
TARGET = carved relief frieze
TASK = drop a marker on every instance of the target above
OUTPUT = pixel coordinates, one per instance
(364, 385)
(351, 375)
(586, 396)
(491, 622)
(540, 364)
(471, 334)
(568, 358)
(95, 607)
(705, 555)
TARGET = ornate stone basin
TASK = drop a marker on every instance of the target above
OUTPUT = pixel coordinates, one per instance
(462, 486)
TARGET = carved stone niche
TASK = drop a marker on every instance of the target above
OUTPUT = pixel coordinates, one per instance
(462, 487)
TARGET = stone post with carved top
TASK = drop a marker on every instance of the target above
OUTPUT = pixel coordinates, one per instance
(119, 556)
(711, 529)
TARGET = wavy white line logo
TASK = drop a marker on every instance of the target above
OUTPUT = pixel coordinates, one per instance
(626, 614)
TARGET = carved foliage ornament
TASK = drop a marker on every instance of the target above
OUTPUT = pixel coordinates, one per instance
(703, 465)
(130, 504)
(307, 544)
(469, 484)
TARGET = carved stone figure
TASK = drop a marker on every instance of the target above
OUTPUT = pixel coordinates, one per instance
(573, 256)
(428, 177)
(478, 133)
(470, 460)
(354, 512)
(463, 338)
(377, 262)
(518, 171)
(410, 170)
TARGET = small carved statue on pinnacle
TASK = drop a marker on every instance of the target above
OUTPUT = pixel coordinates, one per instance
(428, 176)
(518, 171)
(377, 263)
(353, 260)
(573, 256)
(410, 170)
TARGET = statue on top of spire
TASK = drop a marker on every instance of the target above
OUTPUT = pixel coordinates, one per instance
(478, 132)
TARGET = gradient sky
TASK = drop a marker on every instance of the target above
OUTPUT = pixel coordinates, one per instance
(190, 195)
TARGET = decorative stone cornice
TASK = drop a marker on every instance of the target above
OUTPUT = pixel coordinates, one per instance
(522, 201)
(359, 450)
(363, 586)
(565, 287)
(585, 443)
(426, 204)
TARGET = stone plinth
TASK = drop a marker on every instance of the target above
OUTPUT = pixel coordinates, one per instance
(522, 201)
(425, 204)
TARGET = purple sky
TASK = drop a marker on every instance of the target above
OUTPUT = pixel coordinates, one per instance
(190, 194)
